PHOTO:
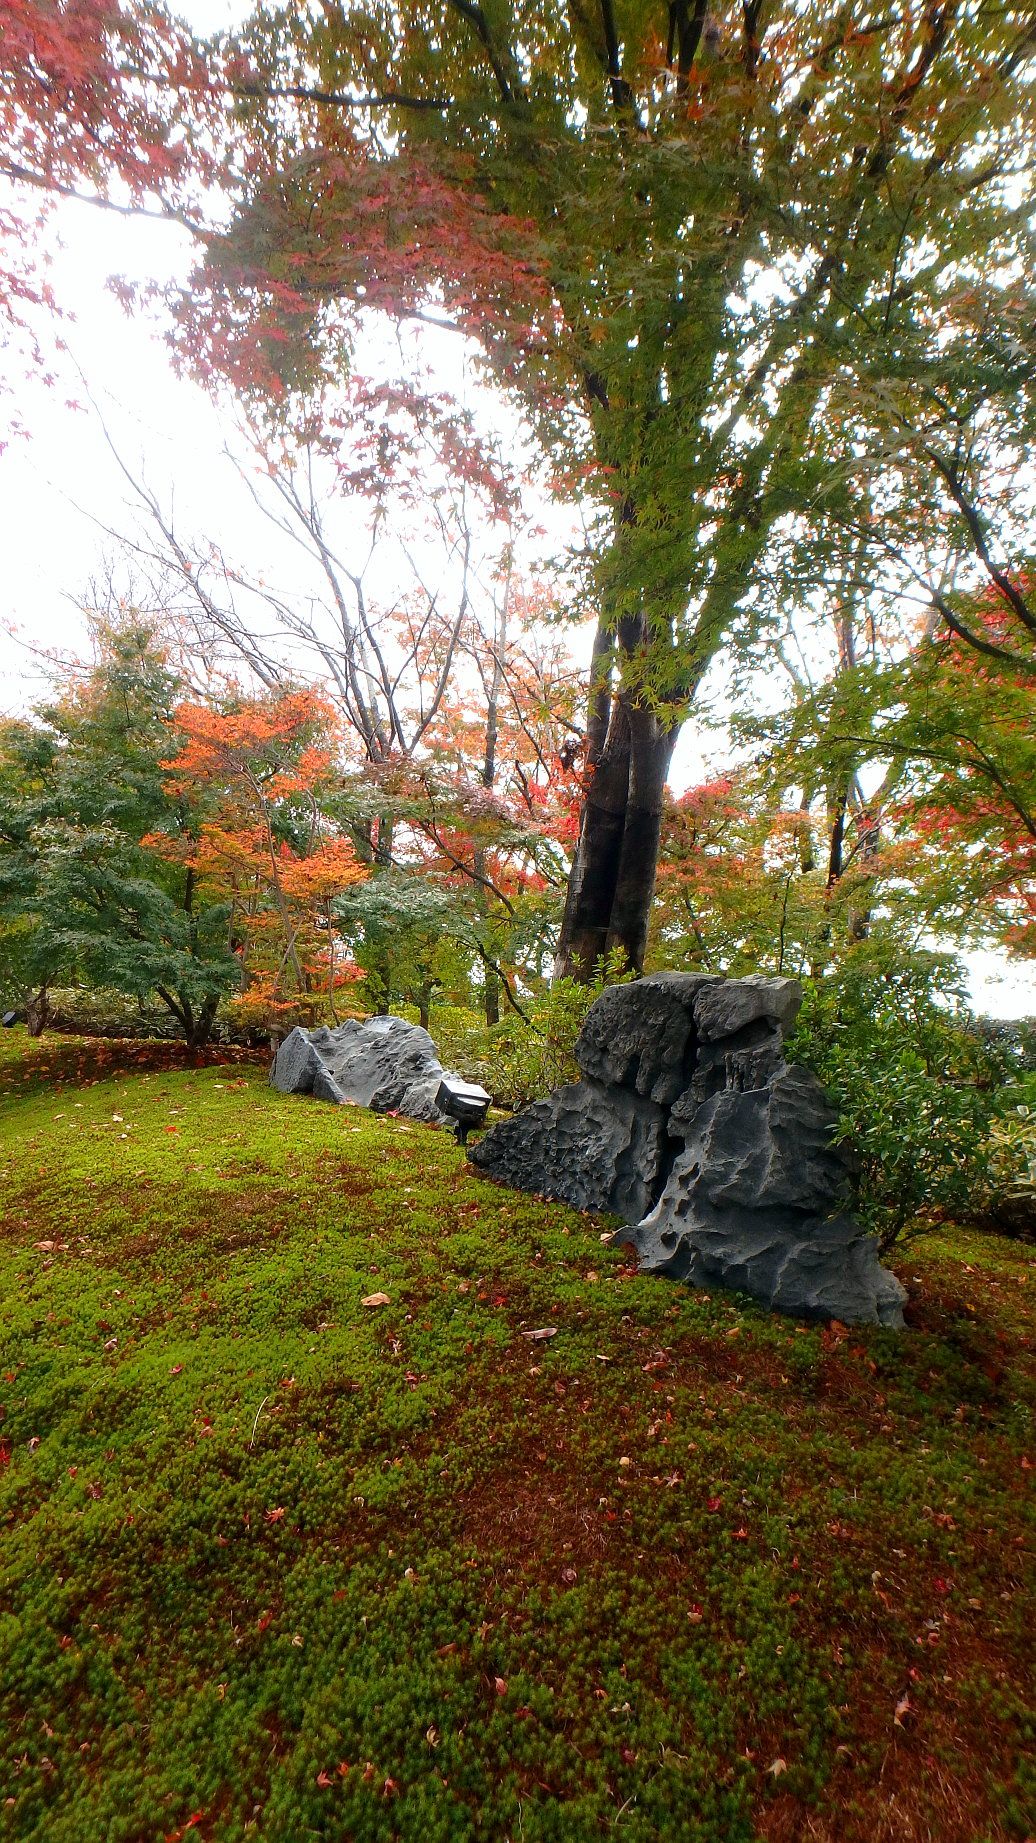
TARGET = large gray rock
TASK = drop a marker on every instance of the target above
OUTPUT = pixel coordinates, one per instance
(648, 1045)
(597, 1148)
(728, 1006)
(753, 1201)
(693, 1128)
(385, 1064)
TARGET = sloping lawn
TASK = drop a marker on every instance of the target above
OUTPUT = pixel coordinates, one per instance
(278, 1564)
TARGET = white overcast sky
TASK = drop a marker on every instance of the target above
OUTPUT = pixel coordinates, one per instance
(58, 479)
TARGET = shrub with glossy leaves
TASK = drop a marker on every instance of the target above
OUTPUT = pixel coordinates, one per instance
(915, 1085)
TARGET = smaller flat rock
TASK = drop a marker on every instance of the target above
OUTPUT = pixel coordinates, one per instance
(384, 1063)
(296, 1065)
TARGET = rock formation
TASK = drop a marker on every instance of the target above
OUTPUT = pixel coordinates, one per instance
(690, 1124)
(385, 1064)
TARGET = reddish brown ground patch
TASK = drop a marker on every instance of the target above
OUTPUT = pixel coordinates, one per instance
(80, 1060)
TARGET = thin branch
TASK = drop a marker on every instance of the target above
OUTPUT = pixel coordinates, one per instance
(506, 81)
(977, 527)
(494, 965)
(339, 99)
(168, 214)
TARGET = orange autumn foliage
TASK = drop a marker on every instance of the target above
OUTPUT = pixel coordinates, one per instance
(264, 848)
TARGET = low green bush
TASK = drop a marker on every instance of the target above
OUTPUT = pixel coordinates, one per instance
(529, 1052)
(1011, 1160)
(103, 1012)
(917, 1086)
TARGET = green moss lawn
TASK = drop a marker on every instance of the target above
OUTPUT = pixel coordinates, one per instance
(278, 1564)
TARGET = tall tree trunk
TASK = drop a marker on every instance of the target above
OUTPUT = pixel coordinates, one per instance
(492, 688)
(37, 1012)
(595, 866)
(612, 885)
(651, 751)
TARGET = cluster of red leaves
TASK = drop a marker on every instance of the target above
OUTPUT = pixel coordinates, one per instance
(390, 235)
(98, 100)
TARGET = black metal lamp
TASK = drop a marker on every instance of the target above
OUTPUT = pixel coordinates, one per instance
(465, 1102)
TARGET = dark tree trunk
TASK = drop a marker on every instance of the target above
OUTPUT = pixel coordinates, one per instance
(383, 845)
(651, 751)
(835, 860)
(37, 1013)
(425, 994)
(595, 867)
(201, 1025)
(612, 885)
(491, 996)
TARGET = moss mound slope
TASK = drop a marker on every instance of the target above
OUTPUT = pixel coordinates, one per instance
(278, 1563)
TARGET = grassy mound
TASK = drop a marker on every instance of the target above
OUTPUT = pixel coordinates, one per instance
(278, 1562)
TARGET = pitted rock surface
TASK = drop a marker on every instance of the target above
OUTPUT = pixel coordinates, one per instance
(690, 1124)
(597, 1148)
(385, 1064)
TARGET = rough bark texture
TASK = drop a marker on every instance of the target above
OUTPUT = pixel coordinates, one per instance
(690, 1124)
(595, 867)
(37, 1012)
(651, 750)
(612, 884)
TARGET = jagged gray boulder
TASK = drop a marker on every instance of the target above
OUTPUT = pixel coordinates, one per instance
(690, 1124)
(647, 1043)
(597, 1148)
(384, 1063)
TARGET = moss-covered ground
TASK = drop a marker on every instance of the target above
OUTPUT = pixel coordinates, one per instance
(279, 1564)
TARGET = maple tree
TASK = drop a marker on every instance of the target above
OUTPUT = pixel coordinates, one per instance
(105, 102)
(173, 848)
(745, 881)
(687, 240)
(480, 824)
(457, 699)
(903, 755)
(264, 849)
(82, 897)
(955, 727)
